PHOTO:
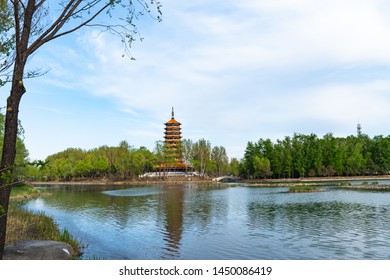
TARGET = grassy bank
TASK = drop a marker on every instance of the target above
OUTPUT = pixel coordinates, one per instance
(24, 225)
(301, 189)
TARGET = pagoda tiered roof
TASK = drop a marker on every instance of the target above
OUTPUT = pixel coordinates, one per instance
(172, 121)
(172, 131)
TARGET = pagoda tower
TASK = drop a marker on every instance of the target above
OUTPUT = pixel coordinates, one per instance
(173, 138)
(173, 157)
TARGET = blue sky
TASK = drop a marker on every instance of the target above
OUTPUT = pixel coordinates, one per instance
(235, 71)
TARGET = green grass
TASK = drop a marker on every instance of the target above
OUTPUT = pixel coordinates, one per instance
(297, 189)
(23, 191)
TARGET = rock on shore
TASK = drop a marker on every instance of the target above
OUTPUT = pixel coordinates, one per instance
(38, 250)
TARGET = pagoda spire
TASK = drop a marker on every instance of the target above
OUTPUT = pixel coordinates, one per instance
(173, 113)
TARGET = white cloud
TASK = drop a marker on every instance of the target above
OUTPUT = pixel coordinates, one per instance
(349, 103)
(238, 70)
(315, 31)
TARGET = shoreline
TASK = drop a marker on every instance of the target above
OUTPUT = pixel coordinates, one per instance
(121, 183)
(23, 225)
(321, 179)
(184, 180)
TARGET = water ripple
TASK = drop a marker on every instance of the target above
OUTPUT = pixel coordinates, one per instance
(225, 223)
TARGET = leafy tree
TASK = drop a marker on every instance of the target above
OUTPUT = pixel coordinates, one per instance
(307, 155)
(126, 162)
(159, 153)
(354, 161)
(340, 156)
(328, 146)
(262, 167)
(186, 147)
(381, 153)
(277, 160)
(286, 157)
(234, 167)
(35, 24)
(7, 42)
(248, 165)
(312, 154)
(369, 167)
(142, 161)
(220, 158)
(122, 162)
(201, 152)
(298, 155)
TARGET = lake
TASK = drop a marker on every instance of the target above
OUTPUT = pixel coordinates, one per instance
(221, 221)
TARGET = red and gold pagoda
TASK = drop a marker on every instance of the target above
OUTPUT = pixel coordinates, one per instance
(173, 138)
(173, 156)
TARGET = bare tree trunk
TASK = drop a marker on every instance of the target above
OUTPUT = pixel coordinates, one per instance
(9, 150)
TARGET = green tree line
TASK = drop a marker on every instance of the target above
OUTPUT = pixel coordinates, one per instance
(292, 157)
(124, 162)
(308, 156)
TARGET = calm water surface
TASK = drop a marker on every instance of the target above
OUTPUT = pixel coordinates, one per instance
(221, 222)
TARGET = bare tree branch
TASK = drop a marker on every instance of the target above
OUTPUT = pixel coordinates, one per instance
(17, 23)
(61, 20)
(82, 24)
(37, 6)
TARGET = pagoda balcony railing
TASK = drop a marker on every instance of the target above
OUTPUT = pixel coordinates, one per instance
(172, 124)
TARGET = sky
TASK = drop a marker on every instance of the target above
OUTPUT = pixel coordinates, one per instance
(234, 71)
